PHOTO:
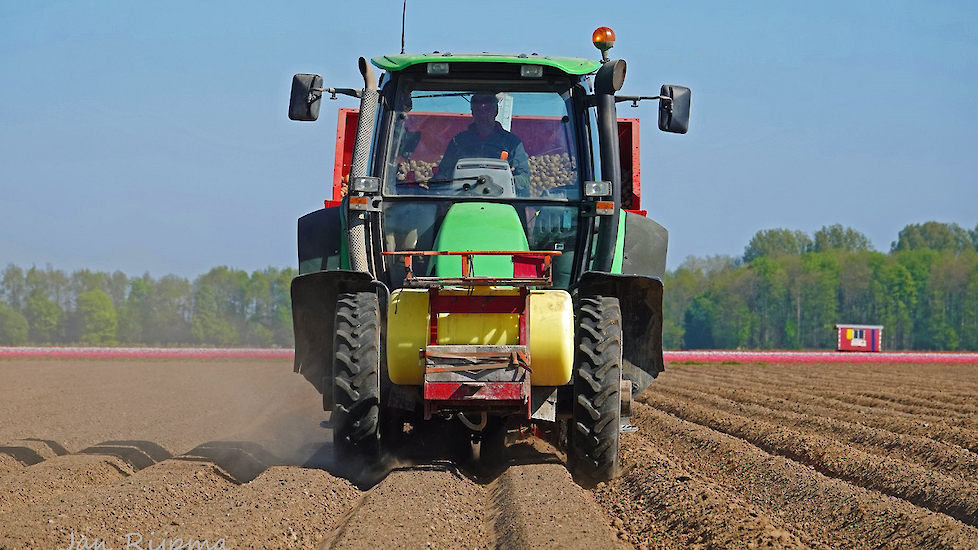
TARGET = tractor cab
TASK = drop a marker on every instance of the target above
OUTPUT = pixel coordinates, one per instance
(482, 133)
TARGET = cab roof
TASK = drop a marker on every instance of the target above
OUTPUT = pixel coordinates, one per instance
(569, 65)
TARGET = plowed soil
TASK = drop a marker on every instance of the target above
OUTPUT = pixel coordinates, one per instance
(179, 454)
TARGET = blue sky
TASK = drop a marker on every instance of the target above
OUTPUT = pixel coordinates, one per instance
(154, 137)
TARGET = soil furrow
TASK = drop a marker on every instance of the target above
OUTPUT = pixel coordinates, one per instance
(947, 459)
(57, 476)
(922, 487)
(932, 427)
(821, 510)
(540, 506)
(749, 455)
(934, 379)
(284, 507)
(657, 504)
(432, 507)
(869, 399)
(9, 464)
(967, 402)
(150, 502)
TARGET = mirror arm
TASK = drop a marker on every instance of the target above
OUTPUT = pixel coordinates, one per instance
(341, 91)
(636, 98)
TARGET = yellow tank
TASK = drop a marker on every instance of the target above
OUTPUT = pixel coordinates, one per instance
(551, 332)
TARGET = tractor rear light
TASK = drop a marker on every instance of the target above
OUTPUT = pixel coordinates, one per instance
(531, 71)
(597, 188)
(437, 68)
(604, 208)
(359, 203)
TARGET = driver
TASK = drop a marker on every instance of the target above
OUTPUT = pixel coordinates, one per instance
(485, 138)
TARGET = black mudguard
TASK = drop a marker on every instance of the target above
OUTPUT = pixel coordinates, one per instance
(644, 246)
(640, 298)
(319, 236)
(314, 297)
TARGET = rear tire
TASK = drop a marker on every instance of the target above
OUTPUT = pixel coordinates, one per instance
(356, 377)
(596, 417)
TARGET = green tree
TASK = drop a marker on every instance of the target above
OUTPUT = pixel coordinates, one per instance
(268, 308)
(683, 286)
(84, 280)
(856, 300)
(822, 287)
(116, 286)
(281, 323)
(221, 306)
(689, 280)
(59, 287)
(98, 325)
(735, 325)
(698, 323)
(13, 327)
(259, 309)
(942, 306)
(172, 307)
(895, 294)
(13, 287)
(43, 318)
(933, 236)
(969, 316)
(770, 302)
(211, 325)
(135, 313)
(836, 237)
(777, 242)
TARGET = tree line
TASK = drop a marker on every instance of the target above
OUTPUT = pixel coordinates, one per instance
(224, 307)
(790, 289)
(787, 291)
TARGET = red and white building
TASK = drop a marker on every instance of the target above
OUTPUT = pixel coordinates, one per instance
(859, 337)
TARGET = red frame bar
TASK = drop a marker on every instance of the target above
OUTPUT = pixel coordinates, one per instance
(466, 392)
(533, 266)
(433, 316)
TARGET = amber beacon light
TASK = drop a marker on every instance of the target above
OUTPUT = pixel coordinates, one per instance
(603, 39)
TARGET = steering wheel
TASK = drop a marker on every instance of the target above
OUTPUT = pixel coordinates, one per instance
(483, 187)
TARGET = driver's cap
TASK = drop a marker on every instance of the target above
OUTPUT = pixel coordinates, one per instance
(485, 99)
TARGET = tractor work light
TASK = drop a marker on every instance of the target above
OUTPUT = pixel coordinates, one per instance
(365, 184)
(597, 188)
(437, 68)
(531, 71)
(603, 39)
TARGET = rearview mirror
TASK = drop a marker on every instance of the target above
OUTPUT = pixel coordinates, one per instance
(674, 111)
(307, 91)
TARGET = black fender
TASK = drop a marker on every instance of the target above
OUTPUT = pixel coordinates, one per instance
(319, 239)
(640, 298)
(314, 297)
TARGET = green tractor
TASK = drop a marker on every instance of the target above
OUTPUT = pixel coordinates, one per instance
(484, 267)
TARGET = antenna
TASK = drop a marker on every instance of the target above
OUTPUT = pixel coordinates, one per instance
(403, 12)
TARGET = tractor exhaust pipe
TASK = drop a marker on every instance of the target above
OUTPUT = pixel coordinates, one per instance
(609, 80)
(357, 220)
